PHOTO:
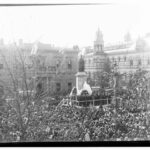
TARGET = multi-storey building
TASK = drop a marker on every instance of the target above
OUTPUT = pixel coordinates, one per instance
(53, 67)
(127, 56)
(95, 58)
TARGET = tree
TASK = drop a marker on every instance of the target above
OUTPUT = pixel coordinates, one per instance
(138, 86)
(107, 66)
(19, 113)
(103, 78)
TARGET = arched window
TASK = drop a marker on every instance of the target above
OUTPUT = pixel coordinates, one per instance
(57, 63)
(58, 87)
(125, 58)
(131, 62)
(89, 61)
(113, 59)
(69, 86)
(1, 66)
(148, 61)
(89, 74)
(94, 60)
(139, 62)
(69, 64)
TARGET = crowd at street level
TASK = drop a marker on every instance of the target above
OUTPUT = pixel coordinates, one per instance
(90, 124)
(127, 119)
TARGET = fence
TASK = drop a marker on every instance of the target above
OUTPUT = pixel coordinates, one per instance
(93, 102)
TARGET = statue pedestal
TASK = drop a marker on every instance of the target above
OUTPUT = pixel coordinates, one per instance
(81, 78)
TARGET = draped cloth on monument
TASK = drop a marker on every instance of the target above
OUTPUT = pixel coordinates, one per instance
(87, 88)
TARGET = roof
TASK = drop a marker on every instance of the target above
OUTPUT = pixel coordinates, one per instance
(69, 50)
(46, 48)
(124, 49)
(26, 47)
(128, 49)
(119, 46)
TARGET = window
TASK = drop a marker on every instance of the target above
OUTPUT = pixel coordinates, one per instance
(113, 59)
(139, 62)
(131, 62)
(57, 63)
(1, 66)
(70, 65)
(69, 86)
(89, 74)
(94, 60)
(37, 61)
(125, 58)
(89, 61)
(148, 61)
(58, 87)
(39, 87)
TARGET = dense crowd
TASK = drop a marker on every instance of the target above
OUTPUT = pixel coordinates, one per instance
(72, 123)
(99, 124)
(128, 119)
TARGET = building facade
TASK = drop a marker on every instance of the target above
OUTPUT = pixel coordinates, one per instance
(128, 56)
(96, 57)
(53, 67)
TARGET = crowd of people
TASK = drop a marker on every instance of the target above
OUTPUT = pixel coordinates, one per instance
(98, 124)
(128, 119)
(73, 123)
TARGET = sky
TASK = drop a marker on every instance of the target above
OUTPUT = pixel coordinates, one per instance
(66, 26)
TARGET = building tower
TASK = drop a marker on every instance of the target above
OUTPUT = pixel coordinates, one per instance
(127, 37)
(99, 43)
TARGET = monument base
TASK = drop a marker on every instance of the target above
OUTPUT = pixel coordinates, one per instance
(81, 78)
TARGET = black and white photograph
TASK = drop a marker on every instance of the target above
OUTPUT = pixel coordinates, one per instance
(74, 72)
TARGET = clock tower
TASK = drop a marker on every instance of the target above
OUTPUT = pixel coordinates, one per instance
(99, 42)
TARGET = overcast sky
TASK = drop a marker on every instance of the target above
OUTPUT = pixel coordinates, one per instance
(73, 25)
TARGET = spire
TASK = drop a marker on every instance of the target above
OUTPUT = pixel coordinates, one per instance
(98, 43)
(99, 36)
(127, 37)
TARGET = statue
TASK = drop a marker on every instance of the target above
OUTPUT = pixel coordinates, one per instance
(81, 64)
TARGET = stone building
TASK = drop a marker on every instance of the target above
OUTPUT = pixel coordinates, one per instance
(95, 58)
(55, 68)
(128, 56)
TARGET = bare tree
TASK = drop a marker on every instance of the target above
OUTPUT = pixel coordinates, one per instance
(23, 101)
